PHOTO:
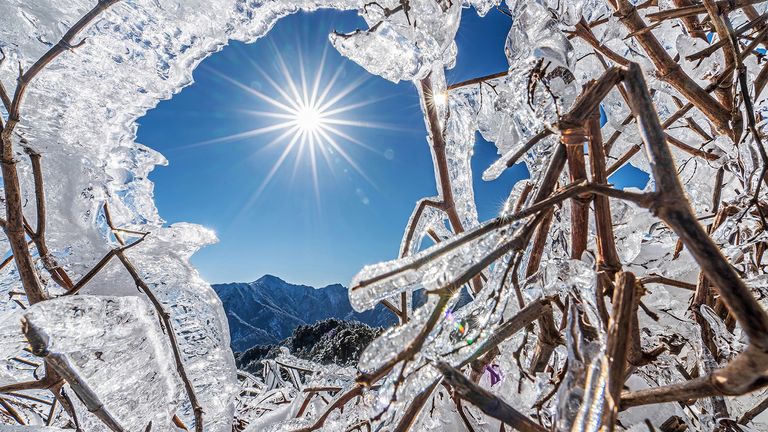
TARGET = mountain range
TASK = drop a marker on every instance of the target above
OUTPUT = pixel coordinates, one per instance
(267, 310)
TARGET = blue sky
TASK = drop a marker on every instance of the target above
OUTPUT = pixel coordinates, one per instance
(291, 229)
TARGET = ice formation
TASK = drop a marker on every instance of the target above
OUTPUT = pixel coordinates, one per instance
(560, 291)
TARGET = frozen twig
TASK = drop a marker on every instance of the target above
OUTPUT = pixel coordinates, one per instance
(486, 401)
(38, 340)
(165, 320)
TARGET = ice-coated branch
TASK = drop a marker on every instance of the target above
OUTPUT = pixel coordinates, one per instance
(12, 411)
(14, 227)
(477, 80)
(607, 257)
(672, 206)
(412, 413)
(38, 234)
(669, 70)
(724, 92)
(163, 315)
(486, 401)
(337, 403)
(38, 341)
(165, 319)
(618, 343)
(66, 43)
(711, 49)
(722, 6)
(438, 147)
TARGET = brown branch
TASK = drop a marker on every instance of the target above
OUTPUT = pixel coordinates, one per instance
(457, 401)
(6, 101)
(408, 240)
(41, 384)
(165, 321)
(12, 411)
(723, 6)
(670, 71)
(522, 319)
(579, 204)
(693, 389)
(667, 281)
(724, 91)
(510, 159)
(100, 265)
(38, 234)
(583, 30)
(338, 403)
(441, 161)
(548, 339)
(412, 413)
(711, 49)
(66, 43)
(754, 412)
(370, 378)
(691, 23)
(672, 207)
(14, 227)
(478, 80)
(744, 373)
(607, 256)
(38, 341)
(486, 401)
(619, 326)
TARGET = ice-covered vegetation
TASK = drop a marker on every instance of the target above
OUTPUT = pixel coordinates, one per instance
(590, 303)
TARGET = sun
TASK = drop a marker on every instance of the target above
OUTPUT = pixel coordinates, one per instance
(306, 117)
(309, 119)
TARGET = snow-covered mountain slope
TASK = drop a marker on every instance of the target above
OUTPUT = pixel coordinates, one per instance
(269, 309)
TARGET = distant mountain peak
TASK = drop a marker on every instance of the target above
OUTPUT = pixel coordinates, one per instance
(270, 278)
(268, 309)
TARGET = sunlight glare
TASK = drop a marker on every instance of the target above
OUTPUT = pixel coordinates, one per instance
(309, 119)
(306, 119)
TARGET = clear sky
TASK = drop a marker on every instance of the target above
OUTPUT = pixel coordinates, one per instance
(307, 226)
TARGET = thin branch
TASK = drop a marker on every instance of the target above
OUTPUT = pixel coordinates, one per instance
(723, 6)
(607, 256)
(12, 411)
(4, 98)
(478, 80)
(669, 70)
(624, 310)
(38, 340)
(486, 401)
(672, 207)
(100, 265)
(165, 320)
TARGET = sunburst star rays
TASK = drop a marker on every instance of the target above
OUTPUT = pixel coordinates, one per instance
(307, 117)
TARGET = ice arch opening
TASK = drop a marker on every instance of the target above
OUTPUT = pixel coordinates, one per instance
(305, 230)
(309, 213)
(80, 116)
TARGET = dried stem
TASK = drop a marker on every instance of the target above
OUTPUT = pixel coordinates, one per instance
(38, 340)
(486, 401)
(165, 321)
(670, 71)
(607, 256)
(619, 326)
